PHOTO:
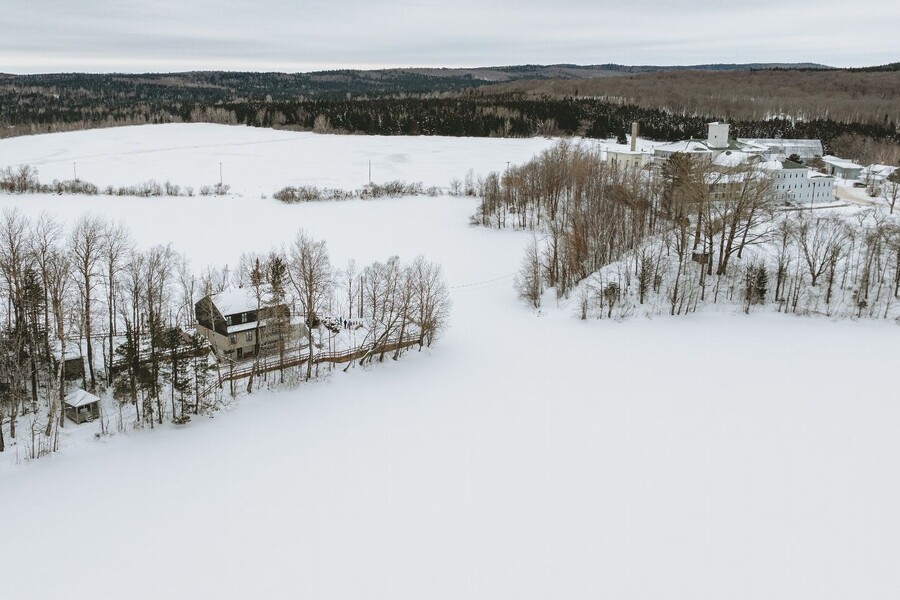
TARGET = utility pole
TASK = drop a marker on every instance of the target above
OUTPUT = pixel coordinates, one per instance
(220, 175)
(370, 172)
(75, 171)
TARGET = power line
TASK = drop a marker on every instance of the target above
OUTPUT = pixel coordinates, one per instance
(476, 283)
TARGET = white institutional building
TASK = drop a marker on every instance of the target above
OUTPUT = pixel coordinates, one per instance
(798, 184)
(795, 183)
(781, 148)
(629, 159)
(716, 143)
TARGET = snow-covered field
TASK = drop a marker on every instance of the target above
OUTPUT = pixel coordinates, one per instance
(523, 456)
(258, 161)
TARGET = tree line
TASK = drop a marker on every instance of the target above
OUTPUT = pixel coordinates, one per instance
(40, 104)
(25, 179)
(801, 262)
(686, 234)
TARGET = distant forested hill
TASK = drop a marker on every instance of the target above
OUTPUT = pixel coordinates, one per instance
(848, 96)
(765, 100)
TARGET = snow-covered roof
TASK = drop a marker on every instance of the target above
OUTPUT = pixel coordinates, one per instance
(239, 300)
(843, 163)
(235, 300)
(73, 350)
(242, 327)
(702, 147)
(789, 164)
(805, 148)
(690, 146)
(749, 145)
(80, 398)
(782, 142)
(731, 159)
(879, 170)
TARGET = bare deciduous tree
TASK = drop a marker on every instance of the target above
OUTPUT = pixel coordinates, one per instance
(431, 303)
(529, 280)
(86, 245)
(58, 281)
(821, 241)
(890, 189)
(310, 274)
(116, 246)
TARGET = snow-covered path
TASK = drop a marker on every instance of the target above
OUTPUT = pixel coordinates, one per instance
(524, 456)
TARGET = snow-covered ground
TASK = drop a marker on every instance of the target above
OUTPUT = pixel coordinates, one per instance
(523, 456)
(258, 161)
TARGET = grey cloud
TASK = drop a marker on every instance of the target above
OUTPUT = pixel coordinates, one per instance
(134, 35)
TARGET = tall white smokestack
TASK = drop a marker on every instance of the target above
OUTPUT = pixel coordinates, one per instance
(634, 136)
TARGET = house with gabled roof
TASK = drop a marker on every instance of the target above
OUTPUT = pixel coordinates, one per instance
(232, 319)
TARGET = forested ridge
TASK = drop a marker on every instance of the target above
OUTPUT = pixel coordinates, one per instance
(846, 96)
(811, 103)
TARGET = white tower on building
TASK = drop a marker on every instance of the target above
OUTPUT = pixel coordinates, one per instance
(718, 135)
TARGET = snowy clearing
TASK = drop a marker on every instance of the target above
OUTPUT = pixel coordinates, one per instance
(523, 456)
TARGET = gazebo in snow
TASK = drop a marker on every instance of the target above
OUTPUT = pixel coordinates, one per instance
(81, 406)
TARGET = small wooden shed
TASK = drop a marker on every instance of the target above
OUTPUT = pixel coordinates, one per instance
(73, 367)
(82, 406)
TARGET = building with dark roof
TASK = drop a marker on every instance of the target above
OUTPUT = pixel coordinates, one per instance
(230, 319)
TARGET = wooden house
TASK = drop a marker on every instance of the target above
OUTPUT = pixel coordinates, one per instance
(229, 320)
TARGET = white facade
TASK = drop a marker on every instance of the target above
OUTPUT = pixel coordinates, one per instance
(627, 159)
(796, 184)
(717, 136)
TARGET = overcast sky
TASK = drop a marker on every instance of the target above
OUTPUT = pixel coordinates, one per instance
(304, 35)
